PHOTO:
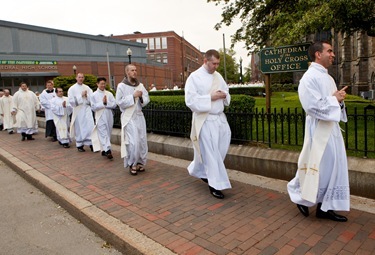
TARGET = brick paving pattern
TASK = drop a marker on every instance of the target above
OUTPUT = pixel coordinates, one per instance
(177, 211)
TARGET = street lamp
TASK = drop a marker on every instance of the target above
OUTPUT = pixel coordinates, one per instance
(129, 52)
(74, 69)
(241, 82)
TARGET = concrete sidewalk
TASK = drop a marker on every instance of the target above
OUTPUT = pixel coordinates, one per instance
(166, 211)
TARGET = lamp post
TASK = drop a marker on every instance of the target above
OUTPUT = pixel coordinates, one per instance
(74, 69)
(241, 81)
(129, 52)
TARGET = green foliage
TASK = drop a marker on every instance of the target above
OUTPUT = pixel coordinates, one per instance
(257, 91)
(284, 87)
(279, 23)
(65, 82)
(167, 92)
(239, 103)
(281, 78)
(233, 91)
(170, 115)
(231, 66)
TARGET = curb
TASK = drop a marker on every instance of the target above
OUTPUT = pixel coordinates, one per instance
(124, 238)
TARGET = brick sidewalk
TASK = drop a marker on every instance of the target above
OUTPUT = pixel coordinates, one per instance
(177, 211)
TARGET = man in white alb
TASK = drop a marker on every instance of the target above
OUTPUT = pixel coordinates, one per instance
(9, 120)
(24, 107)
(131, 96)
(45, 97)
(61, 109)
(206, 94)
(82, 121)
(102, 103)
(322, 175)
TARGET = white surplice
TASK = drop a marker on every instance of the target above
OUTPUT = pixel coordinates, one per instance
(82, 118)
(103, 119)
(315, 92)
(25, 104)
(215, 134)
(45, 99)
(133, 127)
(6, 109)
(61, 118)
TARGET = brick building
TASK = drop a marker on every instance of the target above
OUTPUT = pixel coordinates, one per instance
(171, 50)
(36, 54)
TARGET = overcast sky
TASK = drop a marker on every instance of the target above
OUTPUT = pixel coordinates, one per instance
(195, 19)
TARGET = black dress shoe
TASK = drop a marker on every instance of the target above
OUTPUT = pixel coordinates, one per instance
(91, 148)
(30, 137)
(205, 180)
(104, 154)
(303, 209)
(81, 149)
(216, 193)
(23, 136)
(66, 145)
(109, 154)
(330, 215)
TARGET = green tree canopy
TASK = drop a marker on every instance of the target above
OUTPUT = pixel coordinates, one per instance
(232, 66)
(274, 22)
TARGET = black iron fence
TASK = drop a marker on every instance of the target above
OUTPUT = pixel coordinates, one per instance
(278, 129)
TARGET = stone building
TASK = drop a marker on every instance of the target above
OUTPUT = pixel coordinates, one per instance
(355, 62)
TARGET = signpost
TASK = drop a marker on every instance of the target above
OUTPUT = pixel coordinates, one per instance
(292, 58)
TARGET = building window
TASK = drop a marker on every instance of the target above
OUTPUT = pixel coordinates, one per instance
(165, 58)
(158, 58)
(164, 43)
(157, 43)
(151, 57)
(139, 40)
(151, 44)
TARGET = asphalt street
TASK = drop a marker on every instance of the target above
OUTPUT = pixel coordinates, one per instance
(33, 224)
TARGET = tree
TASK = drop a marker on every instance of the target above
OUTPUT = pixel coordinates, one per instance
(231, 66)
(277, 23)
(65, 82)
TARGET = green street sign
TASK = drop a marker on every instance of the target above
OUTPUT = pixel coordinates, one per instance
(292, 58)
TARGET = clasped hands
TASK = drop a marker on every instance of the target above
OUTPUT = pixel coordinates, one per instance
(218, 94)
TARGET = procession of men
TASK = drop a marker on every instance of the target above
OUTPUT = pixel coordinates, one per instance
(87, 118)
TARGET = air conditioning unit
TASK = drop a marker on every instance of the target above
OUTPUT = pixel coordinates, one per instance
(371, 95)
(368, 94)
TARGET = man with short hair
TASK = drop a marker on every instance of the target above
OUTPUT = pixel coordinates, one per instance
(24, 107)
(82, 119)
(9, 120)
(45, 97)
(206, 94)
(102, 103)
(322, 175)
(61, 109)
(131, 96)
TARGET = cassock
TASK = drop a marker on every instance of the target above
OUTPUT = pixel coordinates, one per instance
(315, 92)
(61, 118)
(25, 104)
(6, 109)
(82, 121)
(45, 97)
(215, 134)
(133, 124)
(103, 118)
